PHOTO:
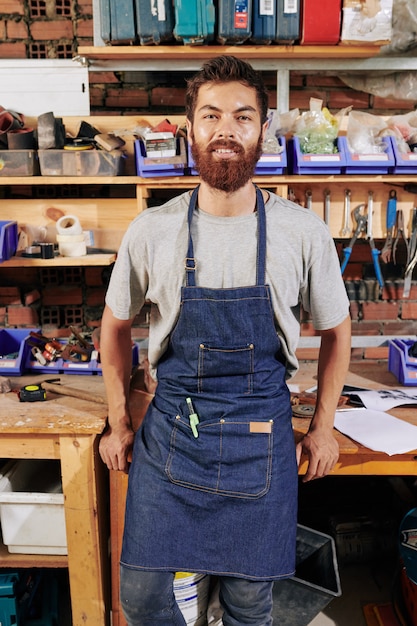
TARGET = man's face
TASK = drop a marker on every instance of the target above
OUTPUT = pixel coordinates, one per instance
(226, 135)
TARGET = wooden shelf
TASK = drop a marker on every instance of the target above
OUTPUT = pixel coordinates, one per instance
(9, 559)
(247, 52)
(62, 261)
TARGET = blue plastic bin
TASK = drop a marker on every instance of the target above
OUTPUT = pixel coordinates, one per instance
(14, 350)
(160, 166)
(59, 366)
(273, 164)
(381, 163)
(302, 163)
(400, 363)
(405, 162)
(8, 240)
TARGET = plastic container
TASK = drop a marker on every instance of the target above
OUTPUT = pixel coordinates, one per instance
(32, 508)
(8, 239)
(60, 366)
(8, 602)
(316, 582)
(81, 162)
(18, 163)
(381, 163)
(272, 164)
(194, 21)
(405, 162)
(192, 595)
(14, 351)
(400, 363)
(234, 21)
(160, 166)
(315, 163)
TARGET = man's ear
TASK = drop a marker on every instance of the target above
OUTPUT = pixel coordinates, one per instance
(189, 128)
(264, 129)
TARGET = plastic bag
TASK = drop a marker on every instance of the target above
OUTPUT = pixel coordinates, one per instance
(317, 129)
(404, 129)
(279, 124)
(365, 132)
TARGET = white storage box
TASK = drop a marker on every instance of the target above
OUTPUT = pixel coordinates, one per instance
(32, 508)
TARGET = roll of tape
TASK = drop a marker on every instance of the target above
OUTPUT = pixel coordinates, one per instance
(69, 225)
(72, 249)
(70, 238)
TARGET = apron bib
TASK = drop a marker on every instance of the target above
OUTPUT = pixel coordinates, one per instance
(213, 481)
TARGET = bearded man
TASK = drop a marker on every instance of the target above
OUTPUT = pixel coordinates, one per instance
(213, 480)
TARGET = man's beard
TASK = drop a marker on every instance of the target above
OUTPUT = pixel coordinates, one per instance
(227, 175)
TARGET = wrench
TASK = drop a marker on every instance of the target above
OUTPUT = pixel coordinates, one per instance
(346, 230)
(309, 199)
(327, 206)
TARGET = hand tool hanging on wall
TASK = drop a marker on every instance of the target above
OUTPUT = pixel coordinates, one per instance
(346, 230)
(412, 255)
(362, 227)
(327, 206)
(391, 218)
(399, 236)
(309, 199)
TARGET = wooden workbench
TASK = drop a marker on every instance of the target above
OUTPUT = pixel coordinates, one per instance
(354, 458)
(67, 429)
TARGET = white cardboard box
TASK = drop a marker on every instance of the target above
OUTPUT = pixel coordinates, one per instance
(32, 512)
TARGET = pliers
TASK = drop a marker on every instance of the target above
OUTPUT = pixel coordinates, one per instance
(361, 227)
(400, 234)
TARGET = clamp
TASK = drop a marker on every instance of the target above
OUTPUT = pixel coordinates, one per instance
(362, 227)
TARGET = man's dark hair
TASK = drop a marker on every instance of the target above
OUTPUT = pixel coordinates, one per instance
(226, 69)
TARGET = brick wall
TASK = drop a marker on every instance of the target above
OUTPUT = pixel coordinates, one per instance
(55, 29)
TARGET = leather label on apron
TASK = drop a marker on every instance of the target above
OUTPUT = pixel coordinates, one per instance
(260, 427)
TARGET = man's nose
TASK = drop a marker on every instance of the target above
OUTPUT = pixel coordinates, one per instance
(225, 129)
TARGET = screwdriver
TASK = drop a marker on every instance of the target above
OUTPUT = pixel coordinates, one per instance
(409, 187)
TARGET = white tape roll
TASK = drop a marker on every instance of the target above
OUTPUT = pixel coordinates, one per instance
(72, 249)
(70, 238)
(69, 225)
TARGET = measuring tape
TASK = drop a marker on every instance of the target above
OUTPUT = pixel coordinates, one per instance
(32, 393)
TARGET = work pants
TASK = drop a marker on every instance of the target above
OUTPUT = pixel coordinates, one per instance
(147, 599)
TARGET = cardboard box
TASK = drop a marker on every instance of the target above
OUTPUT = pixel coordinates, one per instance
(367, 22)
(160, 145)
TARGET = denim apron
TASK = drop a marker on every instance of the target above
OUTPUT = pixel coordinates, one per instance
(213, 481)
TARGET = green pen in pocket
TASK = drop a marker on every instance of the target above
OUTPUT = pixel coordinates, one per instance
(193, 417)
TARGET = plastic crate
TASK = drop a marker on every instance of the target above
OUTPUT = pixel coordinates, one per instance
(273, 164)
(307, 163)
(60, 366)
(32, 508)
(299, 599)
(14, 350)
(81, 162)
(405, 162)
(160, 166)
(380, 163)
(400, 363)
(8, 239)
(18, 163)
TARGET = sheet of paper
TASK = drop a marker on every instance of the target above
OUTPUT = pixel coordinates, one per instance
(385, 399)
(377, 430)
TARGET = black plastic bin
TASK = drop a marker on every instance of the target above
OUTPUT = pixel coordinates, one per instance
(298, 600)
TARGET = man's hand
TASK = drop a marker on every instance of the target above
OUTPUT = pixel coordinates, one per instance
(322, 451)
(115, 445)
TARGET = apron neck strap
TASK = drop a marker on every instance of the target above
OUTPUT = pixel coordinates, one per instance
(190, 262)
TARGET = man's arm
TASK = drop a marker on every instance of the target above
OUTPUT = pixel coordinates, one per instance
(115, 353)
(319, 444)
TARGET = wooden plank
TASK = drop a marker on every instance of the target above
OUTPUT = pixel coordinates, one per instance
(86, 573)
(9, 559)
(21, 445)
(207, 52)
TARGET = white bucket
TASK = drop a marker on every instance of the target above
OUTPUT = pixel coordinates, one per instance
(192, 595)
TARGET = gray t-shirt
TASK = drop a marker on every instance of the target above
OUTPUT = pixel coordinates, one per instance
(301, 267)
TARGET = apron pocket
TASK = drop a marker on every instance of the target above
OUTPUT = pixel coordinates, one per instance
(226, 369)
(228, 458)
